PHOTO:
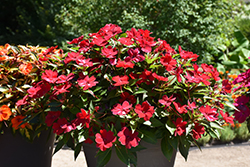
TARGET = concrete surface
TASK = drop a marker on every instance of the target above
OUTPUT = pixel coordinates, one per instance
(237, 155)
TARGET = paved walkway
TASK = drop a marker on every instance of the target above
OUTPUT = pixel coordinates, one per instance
(215, 156)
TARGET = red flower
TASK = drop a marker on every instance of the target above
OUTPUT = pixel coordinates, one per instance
(187, 55)
(212, 70)
(178, 73)
(72, 56)
(62, 126)
(104, 139)
(125, 96)
(226, 86)
(109, 52)
(198, 131)
(87, 82)
(122, 109)
(145, 110)
(26, 68)
(120, 80)
(125, 64)
(50, 76)
(83, 118)
(99, 41)
(134, 55)
(61, 89)
(146, 77)
(226, 117)
(22, 101)
(209, 113)
(242, 115)
(181, 109)
(40, 89)
(84, 62)
(160, 78)
(76, 40)
(126, 41)
(168, 62)
(166, 100)
(127, 138)
(85, 45)
(180, 127)
(51, 117)
(63, 78)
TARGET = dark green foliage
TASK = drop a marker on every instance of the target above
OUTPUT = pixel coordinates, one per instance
(199, 26)
(242, 132)
(227, 134)
(30, 21)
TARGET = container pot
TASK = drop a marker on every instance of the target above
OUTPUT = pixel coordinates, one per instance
(15, 150)
(150, 157)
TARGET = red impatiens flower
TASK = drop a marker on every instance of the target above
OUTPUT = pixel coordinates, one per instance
(226, 117)
(125, 96)
(198, 131)
(146, 77)
(187, 55)
(87, 82)
(181, 109)
(209, 113)
(160, 78)
(83, 118)
(135, 56)
(22, 101)
(61, 89)
(50, 76)
(226, 86)
(120, 80)
(128, 138)
(178, 73)
(126, 41)
(122, 109)
(145, 110)
(51, 117)
(40, 89)
(109, 52)
(180, 127)
(72, 56)
(125, 64)
(98, 40)
(168, 62)
(166, 100)
(212, 70)
(62, 126)
(104, 139)
(84, 62)
(63, 78)
(76, 40)
(85, 45)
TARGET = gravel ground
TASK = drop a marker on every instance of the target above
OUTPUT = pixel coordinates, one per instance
(237, 155)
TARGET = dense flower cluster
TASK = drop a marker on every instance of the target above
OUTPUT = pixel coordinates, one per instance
(115, 89)
(242, 100)
(20, 68)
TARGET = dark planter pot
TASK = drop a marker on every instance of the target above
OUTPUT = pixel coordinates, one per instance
(150, 157)
(17, 151)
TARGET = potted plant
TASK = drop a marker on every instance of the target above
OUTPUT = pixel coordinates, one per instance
(123, 93)
(20, 139)
(241, 97)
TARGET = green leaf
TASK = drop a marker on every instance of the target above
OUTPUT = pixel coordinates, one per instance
(155, 122)
(246, 52)
(3, 89)
(103, 157)
(172, 80)
(170, 126)
(184, 146)
(140, 91)
(215, 125)
(231, 105)
(174, 142)
(149, 136)
(77, 150)
(166, 148)
(59, 145)
(122, 154)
